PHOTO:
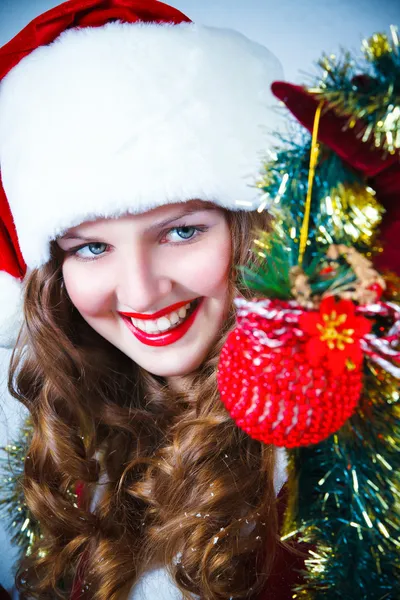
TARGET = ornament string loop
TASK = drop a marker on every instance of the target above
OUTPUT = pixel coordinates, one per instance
(314, 153)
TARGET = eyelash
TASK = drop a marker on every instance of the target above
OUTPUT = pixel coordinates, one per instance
(198, 229)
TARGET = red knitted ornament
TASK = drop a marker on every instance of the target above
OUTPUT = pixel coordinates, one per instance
(271, 386)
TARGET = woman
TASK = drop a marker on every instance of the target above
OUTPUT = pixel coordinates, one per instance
(130, 140)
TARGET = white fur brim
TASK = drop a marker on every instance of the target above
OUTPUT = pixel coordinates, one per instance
(127, 117)
(10, 309)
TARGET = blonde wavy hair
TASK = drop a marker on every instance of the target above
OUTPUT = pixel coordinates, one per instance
(184, 488)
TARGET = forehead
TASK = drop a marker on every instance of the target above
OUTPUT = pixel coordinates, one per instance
(156, 217)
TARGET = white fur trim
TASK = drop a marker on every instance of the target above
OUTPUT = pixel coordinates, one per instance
(127, 117)
(10, 309)
(281, 469)
(156, 583)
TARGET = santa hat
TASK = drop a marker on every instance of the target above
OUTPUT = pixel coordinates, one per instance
(110, 107)
(380, 170)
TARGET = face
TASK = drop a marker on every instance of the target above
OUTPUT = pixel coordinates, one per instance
(155, 285)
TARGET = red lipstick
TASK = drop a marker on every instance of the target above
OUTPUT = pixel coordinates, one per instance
(159, 313)
(167, 337)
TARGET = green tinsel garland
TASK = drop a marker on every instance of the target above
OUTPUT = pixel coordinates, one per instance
(345, 501)
(23, 527)
(337, 216)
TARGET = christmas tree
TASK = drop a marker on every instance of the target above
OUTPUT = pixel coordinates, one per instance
(314, 362)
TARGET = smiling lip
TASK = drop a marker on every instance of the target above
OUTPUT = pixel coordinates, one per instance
(168, 337)
(156, 315)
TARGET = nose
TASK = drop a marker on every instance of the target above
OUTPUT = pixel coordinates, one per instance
(142, 282)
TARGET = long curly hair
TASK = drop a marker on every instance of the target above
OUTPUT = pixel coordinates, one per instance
(177, 483)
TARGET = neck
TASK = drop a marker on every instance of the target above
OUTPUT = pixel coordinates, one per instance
(176, 384)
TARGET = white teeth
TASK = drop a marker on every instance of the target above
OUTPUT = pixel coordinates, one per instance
(152, 327)
(174, 318)
(139, 324)
(163, 324)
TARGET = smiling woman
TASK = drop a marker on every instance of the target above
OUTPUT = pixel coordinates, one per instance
(130, 140)
(155, 285)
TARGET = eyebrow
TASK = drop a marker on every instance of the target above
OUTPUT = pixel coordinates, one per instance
(159, 225)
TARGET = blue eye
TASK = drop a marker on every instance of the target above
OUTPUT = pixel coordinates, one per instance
(184, 233)
(93, 248)
(175, 235)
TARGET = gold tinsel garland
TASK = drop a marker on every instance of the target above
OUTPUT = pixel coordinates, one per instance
(371, 102)
(23, 527)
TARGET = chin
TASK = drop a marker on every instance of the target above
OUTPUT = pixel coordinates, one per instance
(167, 367)
(173, 360)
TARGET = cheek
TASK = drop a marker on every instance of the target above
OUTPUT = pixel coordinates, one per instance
(207, 271)
(90, 295)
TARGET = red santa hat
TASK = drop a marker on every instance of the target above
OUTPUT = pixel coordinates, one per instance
(110, 107)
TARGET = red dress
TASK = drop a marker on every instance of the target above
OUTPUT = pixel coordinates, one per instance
(284, 576)
(287, 565)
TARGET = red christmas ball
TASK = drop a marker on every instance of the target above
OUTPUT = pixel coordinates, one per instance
(271, 388)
